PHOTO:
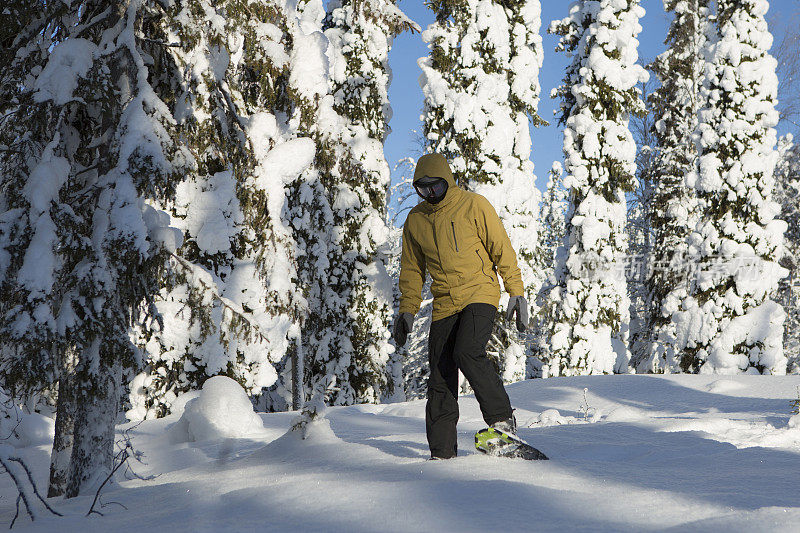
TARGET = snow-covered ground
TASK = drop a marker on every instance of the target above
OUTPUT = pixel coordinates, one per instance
(689, 453)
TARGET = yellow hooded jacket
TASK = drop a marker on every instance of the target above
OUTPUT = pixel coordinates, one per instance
(461, 242)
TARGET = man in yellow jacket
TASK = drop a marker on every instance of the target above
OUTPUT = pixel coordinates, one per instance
(457, 237)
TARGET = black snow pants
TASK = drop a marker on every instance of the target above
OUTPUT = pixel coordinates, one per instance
(458, 342)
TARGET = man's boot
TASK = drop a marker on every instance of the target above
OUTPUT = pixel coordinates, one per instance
(509, 425)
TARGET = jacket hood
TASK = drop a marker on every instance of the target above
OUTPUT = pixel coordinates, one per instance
(434, 166)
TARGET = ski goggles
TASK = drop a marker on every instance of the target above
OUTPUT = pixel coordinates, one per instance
(431, 188)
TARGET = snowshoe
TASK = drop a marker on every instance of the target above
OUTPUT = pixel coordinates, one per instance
(499, 443)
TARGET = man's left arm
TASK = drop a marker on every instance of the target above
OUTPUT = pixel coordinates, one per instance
(498, 245)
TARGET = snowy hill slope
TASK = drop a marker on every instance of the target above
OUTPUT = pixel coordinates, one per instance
(696, 453)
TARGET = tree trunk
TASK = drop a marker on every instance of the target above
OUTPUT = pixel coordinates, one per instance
(65, 421)
(97, 405)
(298, 374)
(97, 380)
(62, 442)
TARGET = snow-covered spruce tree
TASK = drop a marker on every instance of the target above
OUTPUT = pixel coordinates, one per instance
(675, 106)
(481, 88)
(787, 190)
(29, 363)
(84, 249)
(316, 208)
(350, 347)
(361, 35)
(589, 301)
(405, 359)
(639, 226)
(16, 17)
(22, 20)
(729, 323)
(552, 215)
(229, 301)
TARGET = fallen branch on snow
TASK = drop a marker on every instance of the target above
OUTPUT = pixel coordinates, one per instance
(28, 495)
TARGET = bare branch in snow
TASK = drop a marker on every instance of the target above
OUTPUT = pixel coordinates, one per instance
(122, 458)
(28, 495)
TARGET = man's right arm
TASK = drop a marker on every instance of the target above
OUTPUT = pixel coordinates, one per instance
(412, 273)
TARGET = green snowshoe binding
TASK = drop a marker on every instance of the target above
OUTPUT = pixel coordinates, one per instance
(498, 443)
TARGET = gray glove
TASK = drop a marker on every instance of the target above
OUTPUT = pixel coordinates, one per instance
(403, 324)
(520, 305)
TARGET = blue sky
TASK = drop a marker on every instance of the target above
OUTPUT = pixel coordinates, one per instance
(406, 96)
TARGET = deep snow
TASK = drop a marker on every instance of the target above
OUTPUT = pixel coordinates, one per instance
(696, 453)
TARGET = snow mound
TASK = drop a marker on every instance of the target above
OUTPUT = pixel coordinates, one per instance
(20, 429)
(317, 431)
(35, 430)
(742, 433)
(625, 414)
(178, 405)
(551, 417)
(723, 386)
(221, 410)
(311, 422)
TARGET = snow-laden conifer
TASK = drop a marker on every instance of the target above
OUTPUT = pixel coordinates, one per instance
(311, 212)
(673, 214)
(552, 217)
(639, 225)
(729, 323)
(787, 191)
(93, 150)
(354, 310)
(229, 302)
(337, 204)
(589, 301)
(481, 89)
(416, 365)
(552, 214)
